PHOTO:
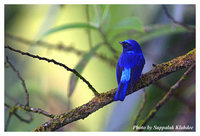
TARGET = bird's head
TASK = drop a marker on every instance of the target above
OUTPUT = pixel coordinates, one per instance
(131, 45)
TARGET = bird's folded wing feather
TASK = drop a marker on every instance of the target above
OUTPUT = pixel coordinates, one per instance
(133, 61)
(137, 70)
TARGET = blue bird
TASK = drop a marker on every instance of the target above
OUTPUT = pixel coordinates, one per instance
(129, 67)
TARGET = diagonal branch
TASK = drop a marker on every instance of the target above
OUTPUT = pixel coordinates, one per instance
(81, 112)
(22, 80)
(18, 116)
(8, 120)
(56, 63)
(176, 96)
(166, 96)
(141, 108)
(45, 44)
(176, 22)
(30, 109)
(60, 47)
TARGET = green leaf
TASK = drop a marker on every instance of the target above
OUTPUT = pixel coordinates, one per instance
(49, 21)
(131, 23)
(105, 13)
(97, 15)
(105, 20)
(80, 67)
(160, 30)
(68, 26)
(151, 32)
(102, 16)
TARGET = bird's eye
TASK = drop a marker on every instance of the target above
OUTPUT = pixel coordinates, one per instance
(126, 44)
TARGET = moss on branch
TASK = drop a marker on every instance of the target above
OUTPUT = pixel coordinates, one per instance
(81, 112)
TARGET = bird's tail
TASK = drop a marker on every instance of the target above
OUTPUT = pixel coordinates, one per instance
(121, 92)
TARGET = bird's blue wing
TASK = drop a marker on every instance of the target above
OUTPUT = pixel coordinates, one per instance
(136, 70)
(119, 72)
(123, 84)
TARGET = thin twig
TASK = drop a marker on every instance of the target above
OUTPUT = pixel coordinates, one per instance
(96, 103)
(22, 80)
(176, 96)
(19, 117)
(141, 107)
(104, 36)
(8, 121)
(174, 21)
(30, 109)
(35, 110)
(167, 96)
(60, 47)
(111, 62)
(56, 63)
(24, 120)
(46, 44)
(6, 65)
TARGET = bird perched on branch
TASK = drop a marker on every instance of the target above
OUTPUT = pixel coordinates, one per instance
(129, 67)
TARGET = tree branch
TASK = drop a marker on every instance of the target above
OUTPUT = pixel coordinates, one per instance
(176, 95)
(81, 112)
(22, 80)
(47, 45)
(176, 22)
(29, 109)
(167, 96)
(8, 121)
(104, 37)
(18, 116)
(56, 63)
(141, 108)
(60, 47)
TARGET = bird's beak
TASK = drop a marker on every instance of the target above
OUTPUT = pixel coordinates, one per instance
(121, 43)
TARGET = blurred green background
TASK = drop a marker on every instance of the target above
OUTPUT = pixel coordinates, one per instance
(91, 34)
